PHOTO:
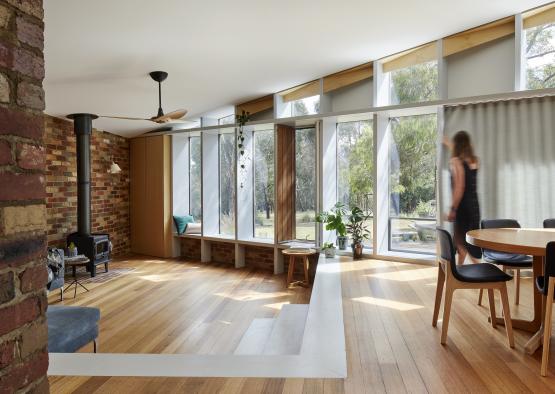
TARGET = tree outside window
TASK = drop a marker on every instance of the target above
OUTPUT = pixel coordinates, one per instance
(355, 167)
(264, 184)
(412, 183)
(227, 179)
(540, 57)
(415, 84)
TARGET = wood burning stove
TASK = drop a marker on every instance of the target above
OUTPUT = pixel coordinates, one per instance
(96, 247)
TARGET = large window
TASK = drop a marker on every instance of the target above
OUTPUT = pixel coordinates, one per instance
(355, 167)
(412, 184)
(263, 184)
(227, 189)
(540, 57)
(305, 181)
(195, 179)
(414, 84)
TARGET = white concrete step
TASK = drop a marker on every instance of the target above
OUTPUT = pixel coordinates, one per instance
(288, 330)
(255, 338)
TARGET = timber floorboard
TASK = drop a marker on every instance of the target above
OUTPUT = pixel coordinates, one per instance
(387, 311)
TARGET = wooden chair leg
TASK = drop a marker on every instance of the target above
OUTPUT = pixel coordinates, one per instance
(439, 294)
(507, 315)
(492, 308)
(547, 326)
(480, 297)
(517, 286)
(305, 265)
(290, 270)
(446, 313)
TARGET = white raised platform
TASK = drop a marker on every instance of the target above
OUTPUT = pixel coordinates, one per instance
(322, 349)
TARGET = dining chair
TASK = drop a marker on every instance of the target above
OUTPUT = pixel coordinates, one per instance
(472, 276)
(549, 223)
(546, 285)
(515, 262)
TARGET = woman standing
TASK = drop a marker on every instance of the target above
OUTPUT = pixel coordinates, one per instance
(465, 209)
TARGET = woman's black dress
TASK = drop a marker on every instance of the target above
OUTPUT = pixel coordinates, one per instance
(468, 212)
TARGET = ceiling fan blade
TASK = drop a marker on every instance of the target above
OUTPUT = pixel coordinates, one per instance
(122, 117)
(174, 115)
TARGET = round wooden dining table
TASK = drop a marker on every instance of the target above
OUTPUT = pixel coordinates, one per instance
(530, 241)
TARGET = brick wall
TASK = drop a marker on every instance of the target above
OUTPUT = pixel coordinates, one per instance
(23, 332)
(223, 252)
(109, 192)
(190, 248)
(259, 257)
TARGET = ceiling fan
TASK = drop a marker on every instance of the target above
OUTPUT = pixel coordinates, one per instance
(160, 118)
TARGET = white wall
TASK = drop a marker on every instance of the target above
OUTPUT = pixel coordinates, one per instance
(356, 96)
(486, 69)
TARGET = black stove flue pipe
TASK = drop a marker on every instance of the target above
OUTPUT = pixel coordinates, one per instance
(82, 125)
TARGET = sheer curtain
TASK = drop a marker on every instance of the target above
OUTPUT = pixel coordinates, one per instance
(515, 141)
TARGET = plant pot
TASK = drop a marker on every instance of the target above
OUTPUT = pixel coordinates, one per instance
(342, 242)
(330, 252)
(357, 250)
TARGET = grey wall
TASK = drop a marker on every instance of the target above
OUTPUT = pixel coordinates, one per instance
(352, 97)
(486, 69)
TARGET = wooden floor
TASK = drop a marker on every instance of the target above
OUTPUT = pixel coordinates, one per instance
(391, 345)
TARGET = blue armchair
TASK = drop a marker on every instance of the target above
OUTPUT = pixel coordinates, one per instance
(55, 267)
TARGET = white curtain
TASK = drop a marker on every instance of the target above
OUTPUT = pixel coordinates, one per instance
(515, 141)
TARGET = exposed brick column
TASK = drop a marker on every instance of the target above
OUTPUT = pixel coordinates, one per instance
(23, 332)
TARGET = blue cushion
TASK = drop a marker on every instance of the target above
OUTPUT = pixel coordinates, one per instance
(181, 222)
(71, 327)
(493, 256)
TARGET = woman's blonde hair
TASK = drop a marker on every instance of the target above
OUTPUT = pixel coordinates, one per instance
(462, 146)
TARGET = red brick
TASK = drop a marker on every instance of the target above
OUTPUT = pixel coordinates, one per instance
(28, 63)
(7, 353)
(14, 316)
(5, 153)
(19, 123)
(30, 95)
(7, 287)
(31, 157)
(24, 374)
(30, 33)
(21, 186)
(33, 278)
(31, 7)
(6, 54)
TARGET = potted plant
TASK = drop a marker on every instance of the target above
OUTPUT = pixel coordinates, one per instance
(358, 229)
(334, 221)
(329, 249)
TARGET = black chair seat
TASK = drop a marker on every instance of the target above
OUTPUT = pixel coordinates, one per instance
(481, 273)
(527, 263)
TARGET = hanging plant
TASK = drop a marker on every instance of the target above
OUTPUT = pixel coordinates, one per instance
(241, 120)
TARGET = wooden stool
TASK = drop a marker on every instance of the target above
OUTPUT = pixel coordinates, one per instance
(302, 253)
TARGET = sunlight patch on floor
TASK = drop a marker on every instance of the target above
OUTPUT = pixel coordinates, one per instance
(160, 277)
(399, 306)
(277, 306)
(250, 295)
(407, 275)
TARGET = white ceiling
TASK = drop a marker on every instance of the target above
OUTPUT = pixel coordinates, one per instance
(219, 53)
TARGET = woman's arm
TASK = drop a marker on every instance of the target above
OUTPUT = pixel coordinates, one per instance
(457, 171)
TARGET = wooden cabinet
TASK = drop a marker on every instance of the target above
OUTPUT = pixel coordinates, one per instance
(150, 205)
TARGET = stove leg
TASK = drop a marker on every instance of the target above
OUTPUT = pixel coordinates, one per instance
(106, 267)
(93, 271)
